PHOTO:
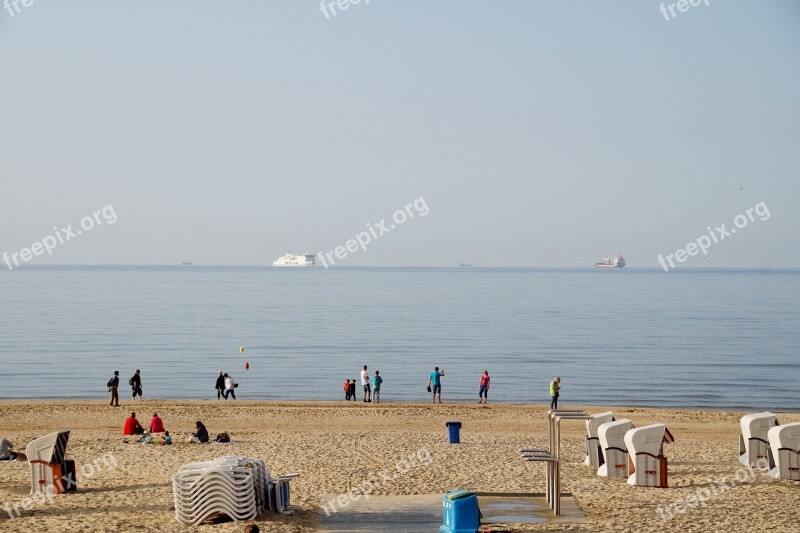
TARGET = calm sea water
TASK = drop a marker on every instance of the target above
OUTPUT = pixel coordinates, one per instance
(692, 338)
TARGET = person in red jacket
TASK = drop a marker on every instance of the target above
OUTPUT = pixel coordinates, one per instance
(346, 389)
(132, 426)
(156, 424)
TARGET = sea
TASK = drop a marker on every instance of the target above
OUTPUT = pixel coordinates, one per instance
(689, 338)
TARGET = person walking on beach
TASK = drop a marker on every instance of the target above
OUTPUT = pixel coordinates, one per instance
(113, 385)
(483, 391)
(136, 384)
(353, 389)
(220, 385)
(555, 386)
(365, 384)
(230, 385)
(376, 386)
(435, 383)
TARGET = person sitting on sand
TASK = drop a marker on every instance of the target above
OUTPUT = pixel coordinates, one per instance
(132, 426)
(6, 450)
(167, 438)
(201, 435)
(156, 424)
(347, 390)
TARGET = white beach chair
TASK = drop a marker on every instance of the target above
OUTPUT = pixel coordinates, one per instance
(612, 443)
(50, 470)
(279, 495)
(646, 450)
(594, 453)
(784, 442)
(753, 442)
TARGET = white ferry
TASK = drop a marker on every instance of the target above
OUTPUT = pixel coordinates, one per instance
(291, 259)
(611, 262)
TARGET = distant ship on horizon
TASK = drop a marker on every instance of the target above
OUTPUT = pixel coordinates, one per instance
(611, 262)
(290, 259)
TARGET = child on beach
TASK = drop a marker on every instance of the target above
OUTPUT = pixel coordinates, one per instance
(353, 389)
(483, 391)
(167, 438)
(346, 388)
(376, 386)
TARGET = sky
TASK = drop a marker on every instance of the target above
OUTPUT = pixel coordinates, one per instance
(540, 134)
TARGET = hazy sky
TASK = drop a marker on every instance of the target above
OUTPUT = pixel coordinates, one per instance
(538, 133)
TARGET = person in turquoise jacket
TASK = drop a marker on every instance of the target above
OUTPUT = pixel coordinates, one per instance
(376, 387)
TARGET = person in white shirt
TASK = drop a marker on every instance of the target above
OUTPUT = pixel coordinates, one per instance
(365, 383)
(230, 385)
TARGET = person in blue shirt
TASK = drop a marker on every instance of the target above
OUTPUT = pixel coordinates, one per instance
(376, 386)
(435, 384)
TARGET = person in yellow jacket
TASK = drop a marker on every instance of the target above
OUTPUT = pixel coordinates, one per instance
(555, 386)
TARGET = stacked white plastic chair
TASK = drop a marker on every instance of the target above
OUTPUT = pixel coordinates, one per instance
(646, 448)
(231, 485)
(612, 442)
(754, 442)
(784, 442)
(594, 454)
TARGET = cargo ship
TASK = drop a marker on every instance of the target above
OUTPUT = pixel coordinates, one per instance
(611, 262)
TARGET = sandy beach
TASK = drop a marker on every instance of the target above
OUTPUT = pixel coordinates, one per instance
(338, 446)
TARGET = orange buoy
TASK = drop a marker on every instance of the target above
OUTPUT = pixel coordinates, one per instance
(246, 365)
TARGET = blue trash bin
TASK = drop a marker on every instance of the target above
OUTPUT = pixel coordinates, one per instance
(454, 429)
(460, 512)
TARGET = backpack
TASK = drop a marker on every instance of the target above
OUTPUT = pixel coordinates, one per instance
(130, 381)
(109, 382)
(223, 437)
